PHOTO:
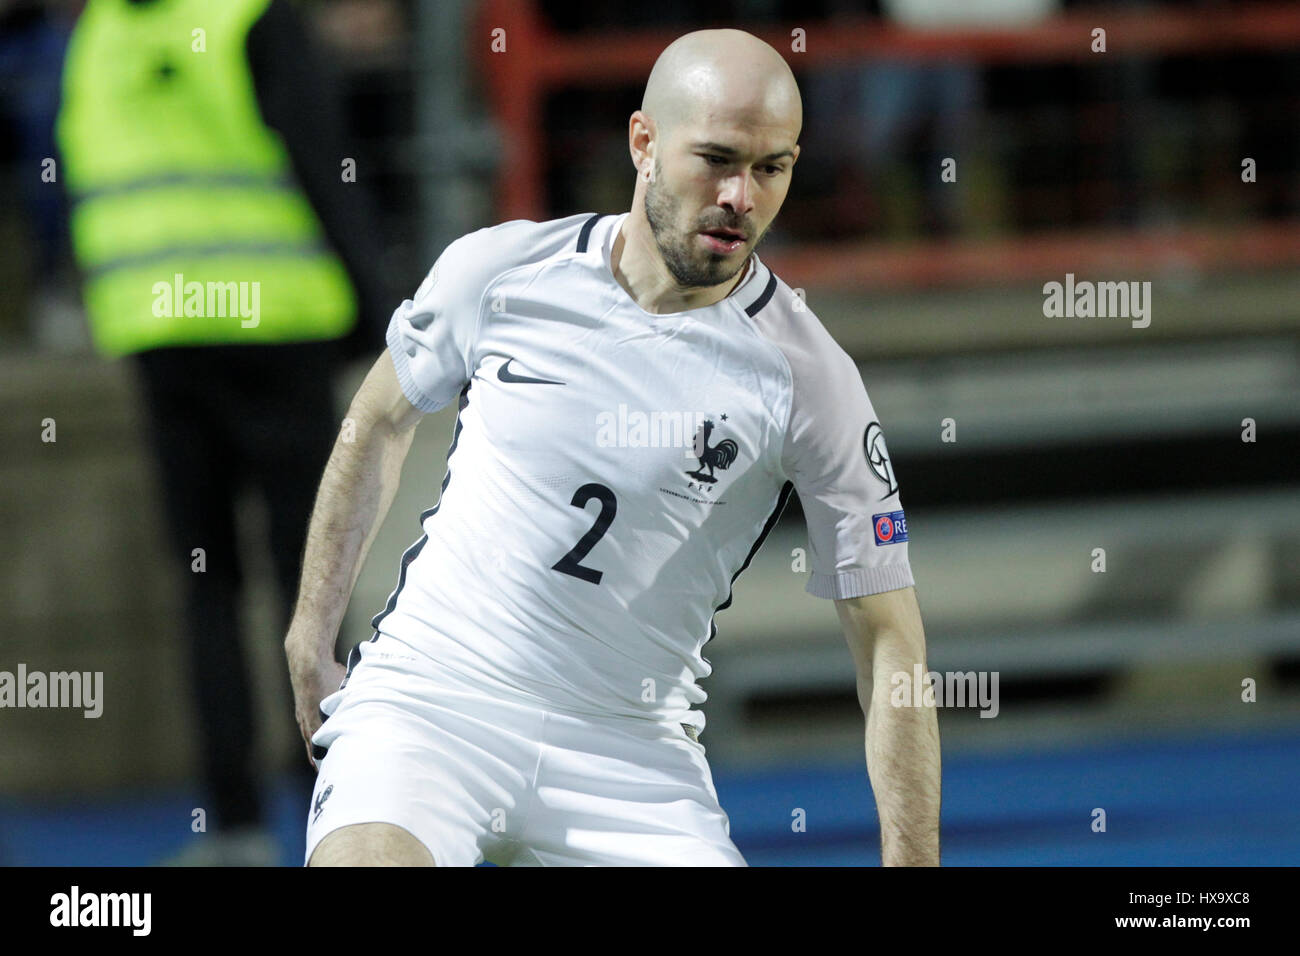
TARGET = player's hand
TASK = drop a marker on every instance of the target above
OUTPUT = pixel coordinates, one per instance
(314, 678)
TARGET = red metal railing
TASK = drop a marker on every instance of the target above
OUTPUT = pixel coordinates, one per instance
(537, 59)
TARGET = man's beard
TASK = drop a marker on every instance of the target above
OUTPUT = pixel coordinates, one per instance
(687, 264)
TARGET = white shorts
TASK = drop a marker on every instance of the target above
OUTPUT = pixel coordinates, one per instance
(477, 778)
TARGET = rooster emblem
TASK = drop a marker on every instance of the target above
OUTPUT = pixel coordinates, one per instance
(720, 455)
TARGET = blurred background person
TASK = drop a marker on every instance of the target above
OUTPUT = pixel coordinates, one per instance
(201, 149)
(908, 116)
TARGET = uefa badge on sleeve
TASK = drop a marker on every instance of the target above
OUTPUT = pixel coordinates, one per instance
(873, 443)
(890, 527)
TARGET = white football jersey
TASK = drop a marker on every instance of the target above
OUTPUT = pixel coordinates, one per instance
(613, 471)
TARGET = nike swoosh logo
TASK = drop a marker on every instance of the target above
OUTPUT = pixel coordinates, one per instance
(505, 375)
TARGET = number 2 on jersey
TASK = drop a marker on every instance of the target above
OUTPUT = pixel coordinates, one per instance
(569, 564)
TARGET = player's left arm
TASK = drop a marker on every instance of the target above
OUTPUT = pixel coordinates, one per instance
(836, 457)
(886, 638)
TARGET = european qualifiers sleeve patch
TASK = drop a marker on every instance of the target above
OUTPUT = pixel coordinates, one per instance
(873, 443)
(890, 527)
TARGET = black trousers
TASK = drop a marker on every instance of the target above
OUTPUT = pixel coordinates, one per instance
(220, 419)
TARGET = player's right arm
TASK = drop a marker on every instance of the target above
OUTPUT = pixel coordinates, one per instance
(355, 493)
(429, 360)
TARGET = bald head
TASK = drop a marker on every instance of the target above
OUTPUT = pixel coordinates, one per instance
(714, 144)
(726, 76)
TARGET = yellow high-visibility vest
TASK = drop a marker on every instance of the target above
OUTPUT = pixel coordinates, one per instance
(186, 219)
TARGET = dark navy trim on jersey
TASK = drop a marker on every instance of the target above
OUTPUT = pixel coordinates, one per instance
(414, 550)
(782, 500)
(587, 226)
(354, 658)
(411, 553)
(757, 305)
(317, 751)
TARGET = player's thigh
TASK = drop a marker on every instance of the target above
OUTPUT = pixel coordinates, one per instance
(370, 844)
(384, 765)
(444, 767)
(625, 794)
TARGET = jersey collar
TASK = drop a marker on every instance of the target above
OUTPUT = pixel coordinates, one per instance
(750, 294)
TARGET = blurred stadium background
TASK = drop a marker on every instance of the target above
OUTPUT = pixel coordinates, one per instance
(1119, 690)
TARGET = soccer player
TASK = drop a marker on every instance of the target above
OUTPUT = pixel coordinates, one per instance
(529, 695)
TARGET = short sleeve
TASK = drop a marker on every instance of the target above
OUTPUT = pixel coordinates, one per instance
(836, 457)
(431, 337)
